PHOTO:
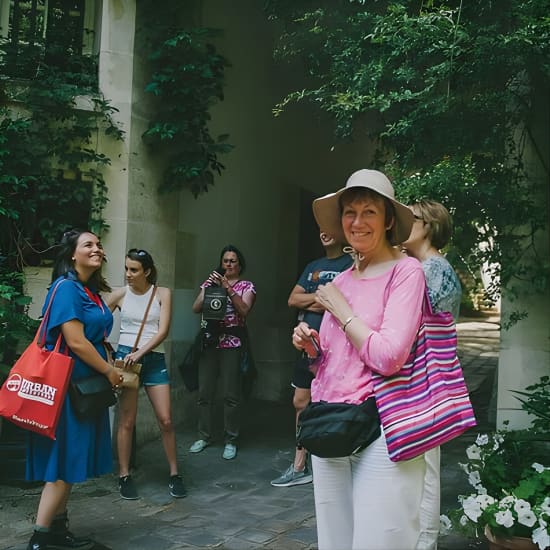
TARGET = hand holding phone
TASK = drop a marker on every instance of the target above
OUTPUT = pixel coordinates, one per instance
(312, 346)
(216, 276)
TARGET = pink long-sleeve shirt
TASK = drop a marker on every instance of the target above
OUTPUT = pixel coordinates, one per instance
(391, 305)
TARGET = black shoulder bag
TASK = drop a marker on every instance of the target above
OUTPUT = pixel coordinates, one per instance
(331, 430)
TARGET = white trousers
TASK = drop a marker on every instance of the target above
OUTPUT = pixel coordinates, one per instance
(368, 502)
(430, 503)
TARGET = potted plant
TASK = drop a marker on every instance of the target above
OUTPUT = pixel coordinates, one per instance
(509, 471)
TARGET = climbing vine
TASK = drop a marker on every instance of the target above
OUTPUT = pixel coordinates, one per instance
(50, 166)
(188, 78)
(448, 94)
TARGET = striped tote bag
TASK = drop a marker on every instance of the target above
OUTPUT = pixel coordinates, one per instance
(426, 403)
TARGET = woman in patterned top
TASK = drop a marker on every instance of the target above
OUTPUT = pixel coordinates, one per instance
(431, 232)
(221, 356)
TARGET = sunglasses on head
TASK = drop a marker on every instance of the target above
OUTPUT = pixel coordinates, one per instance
(138, 252)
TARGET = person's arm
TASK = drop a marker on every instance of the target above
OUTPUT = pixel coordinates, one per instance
(331, 299)
(199, 300)
(213, 279)
(242, 304)
(73, 333)
(386, 349)
(165, 299)
(303, 300)
(114, 298)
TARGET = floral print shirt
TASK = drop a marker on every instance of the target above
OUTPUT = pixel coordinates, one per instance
(232, 318)
(443, 285)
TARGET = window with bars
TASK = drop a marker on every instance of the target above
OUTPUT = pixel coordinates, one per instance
(52, 32)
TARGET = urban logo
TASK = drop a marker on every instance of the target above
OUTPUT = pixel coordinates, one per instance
(35, 391)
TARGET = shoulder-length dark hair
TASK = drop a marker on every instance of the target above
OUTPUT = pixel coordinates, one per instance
(64, 265)
(146, 261)
(240, 257)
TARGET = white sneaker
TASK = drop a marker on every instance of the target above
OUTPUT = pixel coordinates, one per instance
(229, 451)
(198, 446)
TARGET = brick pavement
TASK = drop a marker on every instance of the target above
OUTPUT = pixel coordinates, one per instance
(231, 504)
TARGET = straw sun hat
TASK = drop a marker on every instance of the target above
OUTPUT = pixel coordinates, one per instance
(328, 213)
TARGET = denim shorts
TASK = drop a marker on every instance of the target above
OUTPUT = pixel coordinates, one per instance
(153, 367)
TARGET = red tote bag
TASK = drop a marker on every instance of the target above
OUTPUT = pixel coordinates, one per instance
(33, 394)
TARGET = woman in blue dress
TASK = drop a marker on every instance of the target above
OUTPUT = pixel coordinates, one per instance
(82, 448)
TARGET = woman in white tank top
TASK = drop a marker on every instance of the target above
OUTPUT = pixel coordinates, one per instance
(132, 300)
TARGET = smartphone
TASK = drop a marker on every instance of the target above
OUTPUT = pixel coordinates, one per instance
(220, 271)
(312, 347)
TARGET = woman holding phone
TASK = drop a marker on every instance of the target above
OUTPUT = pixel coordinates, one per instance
(222, 346)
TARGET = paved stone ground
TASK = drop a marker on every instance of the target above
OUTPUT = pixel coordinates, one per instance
(231, 504)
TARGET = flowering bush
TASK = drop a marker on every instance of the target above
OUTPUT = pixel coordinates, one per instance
(510, 473)
(511, 496)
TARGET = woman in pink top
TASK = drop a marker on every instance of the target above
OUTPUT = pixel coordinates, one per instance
(373, 311)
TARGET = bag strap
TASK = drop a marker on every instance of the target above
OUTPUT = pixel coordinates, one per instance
(40, 336)
(144, 318)
(426, 303)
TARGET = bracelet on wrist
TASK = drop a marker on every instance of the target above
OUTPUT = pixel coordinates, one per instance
(232, 294)
(347, 322)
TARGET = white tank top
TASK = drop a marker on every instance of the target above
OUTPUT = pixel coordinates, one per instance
(131, 314)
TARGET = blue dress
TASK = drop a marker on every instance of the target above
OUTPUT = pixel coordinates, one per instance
(82, 449)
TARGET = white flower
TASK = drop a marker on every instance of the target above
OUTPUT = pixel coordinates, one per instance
(506, 502)
(522, 506)
(463, 521)
(472, 508)
(473, 452)
(485, 500)
(482, 439)
(541, 537)
(504, 518)
(464, 467)
(545, 506)
(527, 518)
(445, 524)
(497, 440)
(474, 479)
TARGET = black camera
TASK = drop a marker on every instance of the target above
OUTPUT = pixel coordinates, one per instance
(214, 305)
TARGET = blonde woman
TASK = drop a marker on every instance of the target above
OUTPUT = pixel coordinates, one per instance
(431, 231)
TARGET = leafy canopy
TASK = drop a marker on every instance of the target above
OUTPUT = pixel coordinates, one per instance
(448, 95)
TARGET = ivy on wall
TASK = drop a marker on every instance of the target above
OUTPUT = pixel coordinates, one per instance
(50, 170)
(188, 78)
